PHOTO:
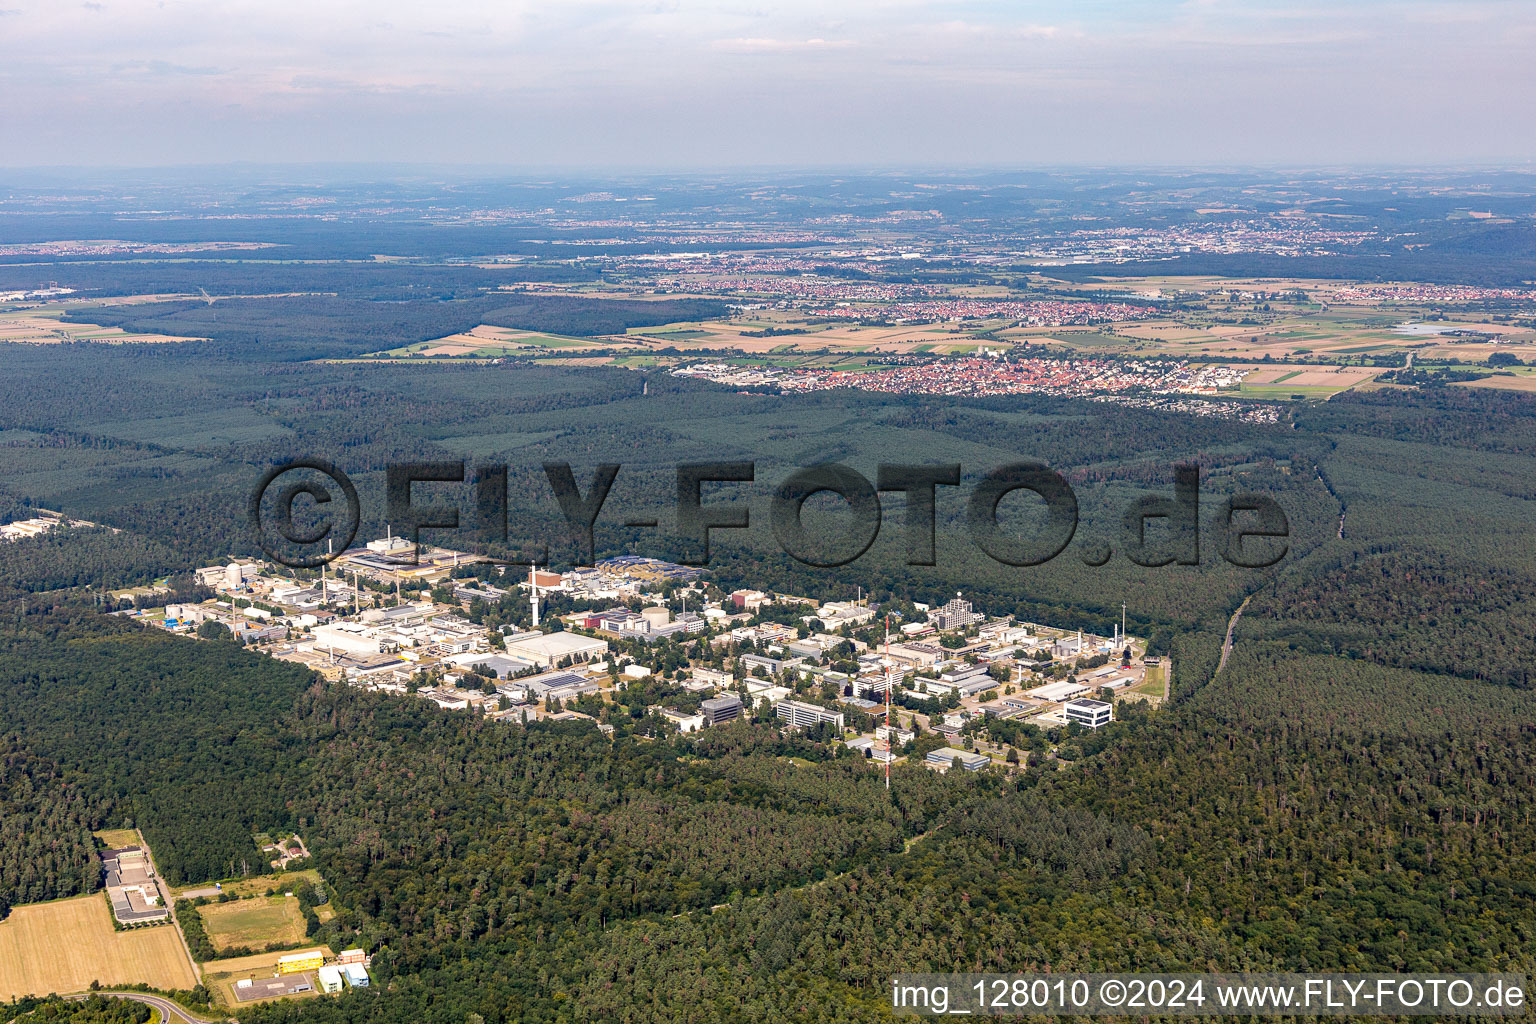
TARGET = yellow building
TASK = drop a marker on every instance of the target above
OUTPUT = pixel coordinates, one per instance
(293, 963)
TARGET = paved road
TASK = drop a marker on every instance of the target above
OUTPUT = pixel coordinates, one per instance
(1226, 647)
(169, 1012)
(170, 904)
(192, 894)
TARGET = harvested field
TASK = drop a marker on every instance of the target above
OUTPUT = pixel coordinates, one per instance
(65, 945)
(43, 327)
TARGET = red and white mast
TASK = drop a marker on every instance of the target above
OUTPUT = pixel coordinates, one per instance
(887, 702)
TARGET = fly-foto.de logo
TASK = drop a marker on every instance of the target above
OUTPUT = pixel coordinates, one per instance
(305, 512)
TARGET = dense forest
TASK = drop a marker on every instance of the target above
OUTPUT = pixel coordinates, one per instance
(1371, 818)
(94, 1009)
(1352, 791)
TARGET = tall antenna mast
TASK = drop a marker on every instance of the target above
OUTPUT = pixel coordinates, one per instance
(533, 587)
(888, 725)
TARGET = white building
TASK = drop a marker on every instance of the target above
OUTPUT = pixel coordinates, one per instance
(1056, 692)
(684, 723)
(801, 715)
(945, 757)
(956, 614)
(351, 638)
(548, 649)
(1092, 713)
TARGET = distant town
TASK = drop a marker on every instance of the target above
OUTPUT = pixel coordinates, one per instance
(992, 374)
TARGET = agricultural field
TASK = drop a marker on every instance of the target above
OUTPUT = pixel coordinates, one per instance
(253, 923)
(1237, 318)
(1309, 381)
(744, 334)
(1518, 378)
(1334, 320)
(44, 326)
(748, 335)
(488, 342)
(65, 945)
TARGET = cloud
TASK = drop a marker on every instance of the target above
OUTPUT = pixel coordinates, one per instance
(866, 80)
(760, 45)
(1021, 31)
(162, 67)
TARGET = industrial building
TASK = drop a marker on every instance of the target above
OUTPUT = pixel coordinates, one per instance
(1057, 692)
(1067, 647)
(548, 649)
(131, 886)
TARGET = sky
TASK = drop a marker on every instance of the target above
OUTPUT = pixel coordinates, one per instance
(678, 85)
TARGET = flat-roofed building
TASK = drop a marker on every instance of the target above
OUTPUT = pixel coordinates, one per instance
(723, 708)
(873, 685)
(293, 963)
(945, 757)
(494, 665)
(1057, 692)
(956, 614)
(351, 638)
(801, 715)
(684, 721)
(916, 655)
(772, 666)
(548, 649)
(711, 676)
(1092, 713)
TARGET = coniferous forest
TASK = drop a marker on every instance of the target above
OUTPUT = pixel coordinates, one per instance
(1350, 789)
(1353, 791)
